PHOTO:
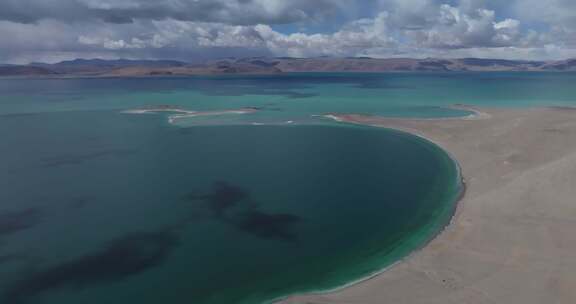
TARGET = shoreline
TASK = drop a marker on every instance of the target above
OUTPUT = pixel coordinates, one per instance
(453, 214)
(476, 114)
(456, 205)
(494, 152)
(176, 112)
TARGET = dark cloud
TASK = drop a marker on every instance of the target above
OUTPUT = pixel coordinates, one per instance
(245, 12)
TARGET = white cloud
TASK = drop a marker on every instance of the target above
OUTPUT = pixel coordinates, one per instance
(353, 38)
(189, 29)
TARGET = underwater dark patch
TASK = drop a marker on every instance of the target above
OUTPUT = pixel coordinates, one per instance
(122, 258)
(12, 222)
(268, 225)
(233, 205)
(223, 197)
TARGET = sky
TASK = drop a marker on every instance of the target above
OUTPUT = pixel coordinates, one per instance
(198, 30)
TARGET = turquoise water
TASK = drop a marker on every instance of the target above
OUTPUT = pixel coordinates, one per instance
(298, 95)
(101, 206)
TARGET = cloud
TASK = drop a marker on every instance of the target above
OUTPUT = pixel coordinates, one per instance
(452, 28)
(245, 12)
(557, 16)
(351, 39)
(201, 29)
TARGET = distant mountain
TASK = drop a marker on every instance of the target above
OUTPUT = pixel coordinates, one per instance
(120, 63)
(99, 66)
(364, 64)
(564, 65)
(265, 65)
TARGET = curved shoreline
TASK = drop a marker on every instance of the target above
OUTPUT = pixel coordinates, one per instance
(513, 228)
(355, 118)
(502, 237)
(456, 204)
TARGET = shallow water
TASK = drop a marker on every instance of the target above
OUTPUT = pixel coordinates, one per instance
(99, 206)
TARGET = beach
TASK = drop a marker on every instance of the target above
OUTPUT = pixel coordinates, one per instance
(512, 238)
(179, 113)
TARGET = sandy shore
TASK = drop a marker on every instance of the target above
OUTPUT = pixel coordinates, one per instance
(513, 239)
(182, 113)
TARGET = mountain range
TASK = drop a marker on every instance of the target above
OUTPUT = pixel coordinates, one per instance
(265, 65)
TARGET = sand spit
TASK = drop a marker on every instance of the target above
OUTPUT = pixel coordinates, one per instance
(513, 239)
(476, 114)
(175, 117)
(179, 113)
